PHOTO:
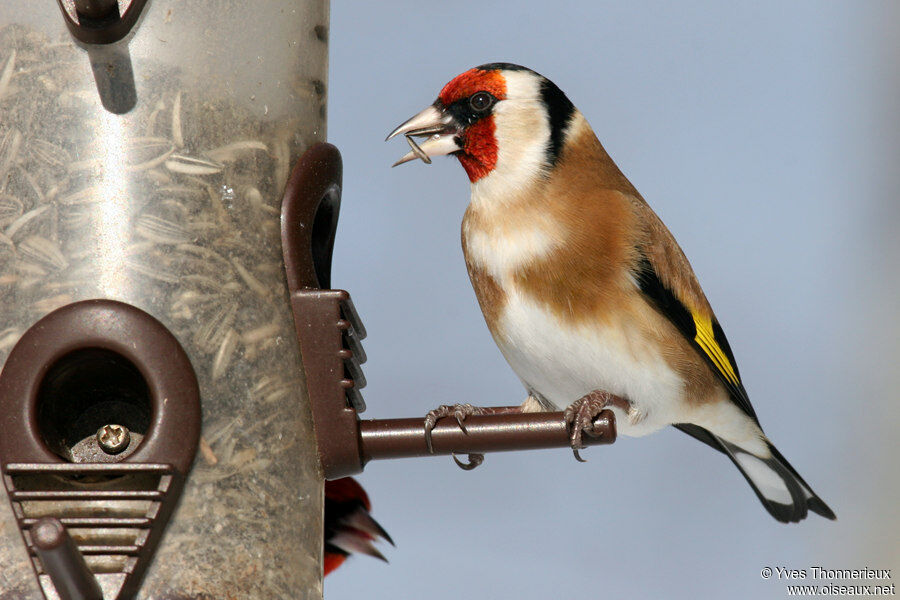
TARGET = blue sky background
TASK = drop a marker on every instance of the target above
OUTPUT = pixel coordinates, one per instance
(767, 137)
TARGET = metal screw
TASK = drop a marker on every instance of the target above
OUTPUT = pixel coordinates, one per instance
(113, 438)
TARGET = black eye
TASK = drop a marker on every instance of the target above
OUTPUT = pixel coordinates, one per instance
(481, 101)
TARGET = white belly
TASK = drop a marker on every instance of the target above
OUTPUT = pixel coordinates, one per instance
(563, 363)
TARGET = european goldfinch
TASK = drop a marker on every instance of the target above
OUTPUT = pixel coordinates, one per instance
(349, 528)
(586, 293)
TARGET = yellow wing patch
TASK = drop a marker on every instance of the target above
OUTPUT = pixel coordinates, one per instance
(706, 339)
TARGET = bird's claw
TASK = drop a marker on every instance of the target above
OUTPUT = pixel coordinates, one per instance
(581, 419)
(475, 460)
(458, 412)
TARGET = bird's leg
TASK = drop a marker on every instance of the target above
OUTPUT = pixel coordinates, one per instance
(460, 412)
(580, 416)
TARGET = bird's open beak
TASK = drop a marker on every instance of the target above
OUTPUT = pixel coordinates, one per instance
(438, 126)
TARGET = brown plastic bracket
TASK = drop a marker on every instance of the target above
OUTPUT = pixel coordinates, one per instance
(329, 331)
(83, 373)
(100, 21)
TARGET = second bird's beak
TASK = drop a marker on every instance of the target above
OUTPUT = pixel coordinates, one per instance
(438, 126)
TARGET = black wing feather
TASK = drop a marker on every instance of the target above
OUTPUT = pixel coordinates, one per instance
(679, 315)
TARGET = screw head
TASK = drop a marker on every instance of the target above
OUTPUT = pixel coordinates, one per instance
(113, 439)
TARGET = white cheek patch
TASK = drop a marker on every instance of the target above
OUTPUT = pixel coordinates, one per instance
(522, 130)
(522, 85)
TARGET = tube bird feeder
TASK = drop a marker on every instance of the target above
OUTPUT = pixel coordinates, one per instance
(146, 338)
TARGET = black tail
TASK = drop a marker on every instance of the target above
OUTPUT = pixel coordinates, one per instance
(777, 485)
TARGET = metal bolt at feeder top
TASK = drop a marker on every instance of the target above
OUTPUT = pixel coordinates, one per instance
(113, 439)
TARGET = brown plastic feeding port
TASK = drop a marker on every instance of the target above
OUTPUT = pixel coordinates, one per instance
(330, 330)
(88, 389)
(99, 424)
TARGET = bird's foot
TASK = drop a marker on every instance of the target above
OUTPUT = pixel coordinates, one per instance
(582, 414)
(458, 412)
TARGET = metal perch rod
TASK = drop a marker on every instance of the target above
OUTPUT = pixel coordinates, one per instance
(405, 438)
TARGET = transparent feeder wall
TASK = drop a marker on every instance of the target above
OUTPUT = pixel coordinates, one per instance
(173, 207)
